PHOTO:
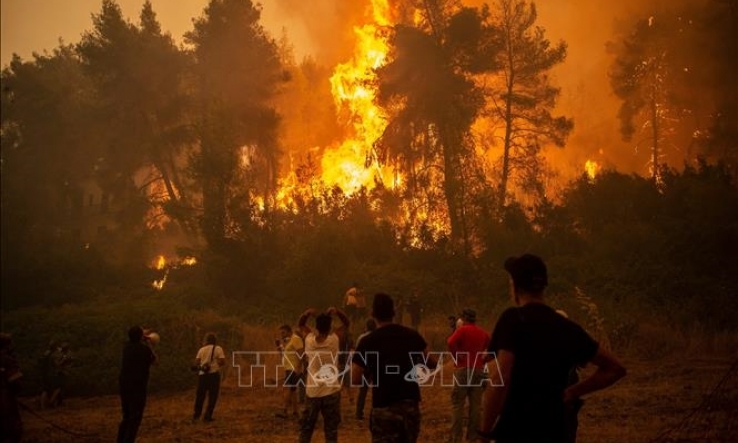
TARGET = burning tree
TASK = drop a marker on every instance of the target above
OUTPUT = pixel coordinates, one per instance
(522, 98)
(675, 72)
(428, 90)
(237, 71)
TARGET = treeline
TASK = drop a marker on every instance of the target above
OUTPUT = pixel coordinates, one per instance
(187, 143)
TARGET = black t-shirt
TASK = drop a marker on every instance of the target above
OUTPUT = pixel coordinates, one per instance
(134, 370)
(388, 355)
(546, 346)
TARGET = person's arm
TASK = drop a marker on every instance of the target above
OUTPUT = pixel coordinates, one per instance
(609, 370)
(496, 394)
(341, 316)
(302, 322)
(454, 341)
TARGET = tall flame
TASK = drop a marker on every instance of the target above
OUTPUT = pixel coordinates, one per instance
(351, 84)
(592, 168)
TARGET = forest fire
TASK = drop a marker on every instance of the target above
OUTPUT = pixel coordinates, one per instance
(353, 164)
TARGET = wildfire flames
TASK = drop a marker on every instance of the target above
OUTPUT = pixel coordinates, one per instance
(592, 168)
(160, 263)
(353, 164)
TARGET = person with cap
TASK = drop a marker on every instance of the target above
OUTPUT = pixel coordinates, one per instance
(468, 346)
(133, 382)
(390, 358)
(534, 349)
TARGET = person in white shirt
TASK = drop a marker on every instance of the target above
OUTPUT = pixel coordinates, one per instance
(210, 359)
(324, 380)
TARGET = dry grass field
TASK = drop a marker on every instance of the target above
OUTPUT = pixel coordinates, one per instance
(655, 395)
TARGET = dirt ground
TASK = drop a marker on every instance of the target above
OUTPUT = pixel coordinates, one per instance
(654, 396)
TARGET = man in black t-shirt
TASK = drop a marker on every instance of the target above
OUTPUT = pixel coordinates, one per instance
(134, 379)
(535, 350)
(388, 358)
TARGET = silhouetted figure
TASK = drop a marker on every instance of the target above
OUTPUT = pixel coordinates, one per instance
(388, 357)
(133, 382)
(535, 349)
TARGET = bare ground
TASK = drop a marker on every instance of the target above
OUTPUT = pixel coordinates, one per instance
(654, 396)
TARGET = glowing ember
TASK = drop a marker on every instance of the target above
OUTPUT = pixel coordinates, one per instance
(592, 168)
(161, 262)
(188, 261)
(159, 284)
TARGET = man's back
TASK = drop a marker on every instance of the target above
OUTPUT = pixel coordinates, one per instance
(388, 354)
(134, 372)
(545, 346)
(468, 344)
(322, 368)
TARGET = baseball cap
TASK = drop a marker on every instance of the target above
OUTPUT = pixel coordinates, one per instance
(469, 315)
(528, 272)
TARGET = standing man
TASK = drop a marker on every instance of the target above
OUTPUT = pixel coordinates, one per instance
(291, 347)
(133, 381)
(210, 359)
(468, 345)
(324, 380)
(388, 357)
(535, 349)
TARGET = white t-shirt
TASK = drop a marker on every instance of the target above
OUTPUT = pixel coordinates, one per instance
(324, 377)
(203, 356)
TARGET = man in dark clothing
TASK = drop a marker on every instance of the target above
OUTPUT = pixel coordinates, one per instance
(535, 350)
(134, 379)
(388, 357)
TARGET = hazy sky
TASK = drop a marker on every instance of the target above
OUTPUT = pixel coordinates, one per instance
(323, 28)
(37, 25)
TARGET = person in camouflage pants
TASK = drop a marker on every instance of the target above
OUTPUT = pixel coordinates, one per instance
(387, 358)
(398, 423)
